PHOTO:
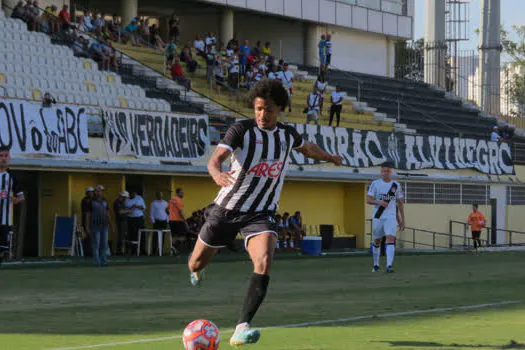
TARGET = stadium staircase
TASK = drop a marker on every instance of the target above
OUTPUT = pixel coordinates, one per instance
(418, 106)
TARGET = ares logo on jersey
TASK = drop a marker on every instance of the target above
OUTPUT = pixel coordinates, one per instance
(265, 169)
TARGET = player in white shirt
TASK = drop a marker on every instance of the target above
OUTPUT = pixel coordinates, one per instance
(287, 79)
(211, 40)
(320, 86)
(312, 109)
(337, 104)
(387, 196)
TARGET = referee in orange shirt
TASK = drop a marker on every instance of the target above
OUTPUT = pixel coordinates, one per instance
(477, 222)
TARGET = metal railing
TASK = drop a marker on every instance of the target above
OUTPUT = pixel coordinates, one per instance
(490, 234)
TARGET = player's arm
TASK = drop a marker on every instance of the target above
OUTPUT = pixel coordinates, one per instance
(401, 209)
(232, 140)
(311, 150)
(370, 200)
(19, 194)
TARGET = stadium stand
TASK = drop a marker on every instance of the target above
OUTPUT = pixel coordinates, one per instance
(30, 66)
(417, 105)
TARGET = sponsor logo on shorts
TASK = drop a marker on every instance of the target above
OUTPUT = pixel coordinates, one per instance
(264, 169)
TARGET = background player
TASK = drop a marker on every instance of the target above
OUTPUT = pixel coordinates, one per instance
(387, 196)
(259, 149)
(10, 194)
(476, 221)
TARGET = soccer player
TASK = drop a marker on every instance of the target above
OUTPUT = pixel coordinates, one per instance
(387, 197)
(477, 222)
(10, 194)
(259, 149)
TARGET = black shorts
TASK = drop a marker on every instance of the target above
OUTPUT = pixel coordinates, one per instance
(476, 234)
(328, 58)
(4, 237)
(222, 225)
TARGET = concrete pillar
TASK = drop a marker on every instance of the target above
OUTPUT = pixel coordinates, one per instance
(489, 56)
(312, 35)
(435, 45)
(227, 26)
(390, 57)
(498, 196)
(128, 10)
(9, 6)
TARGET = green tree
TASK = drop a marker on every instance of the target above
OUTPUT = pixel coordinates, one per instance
(513, 44)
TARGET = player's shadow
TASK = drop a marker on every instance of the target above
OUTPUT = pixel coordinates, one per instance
(421, 344)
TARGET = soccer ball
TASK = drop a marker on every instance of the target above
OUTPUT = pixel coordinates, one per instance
(201, 335)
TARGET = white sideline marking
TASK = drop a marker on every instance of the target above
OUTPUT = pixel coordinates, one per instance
(306, 324)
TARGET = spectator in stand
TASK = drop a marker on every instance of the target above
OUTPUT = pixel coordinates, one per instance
(233, 71)
(274, 74)
(199, 46)
(211, 40)
(96, 51)
(337, 104)
(263, 68)
(244, 52)
(32, 16)
(249, 78)
(97, 218)
(186, 56)
(221, 51)
(174, 25)
(495, 136)
(111, 54)
(220, 65)
(234, 43)
(130, 32)
(322, 51)
(320, 88)
(170, 53)
(178, 75)
(64, 18)
(257, 49)
(80, 47)
(136, 206)
(287, 80)
(267, 51)
(87, 26)
(144, 32)
(312, 109)
(84, 208)
(230, 50)
(296, 228)
(121, 219)
(19, 12)
(98, 21)
(48, 100)
(328, 51)
(210, 63)
(156, 39)
(50, 22)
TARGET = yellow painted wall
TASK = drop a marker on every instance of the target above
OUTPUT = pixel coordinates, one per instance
(355, 212)
(55, 195)
(516, 221)
(198, 192)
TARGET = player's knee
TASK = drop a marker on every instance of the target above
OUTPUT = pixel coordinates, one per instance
(390, 239)
(377, 243)
(262, 263)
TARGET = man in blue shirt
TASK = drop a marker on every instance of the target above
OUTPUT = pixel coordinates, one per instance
(296, 227)
(244, 52)
(322, 51)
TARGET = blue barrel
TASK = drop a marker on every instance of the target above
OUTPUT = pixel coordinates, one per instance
(312, 245)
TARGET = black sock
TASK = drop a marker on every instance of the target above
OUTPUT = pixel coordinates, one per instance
(475, 243)
(254, 297)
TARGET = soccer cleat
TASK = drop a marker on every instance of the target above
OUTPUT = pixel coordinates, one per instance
(376, 268)
(245, 336)
(389, 269)
(196, 278)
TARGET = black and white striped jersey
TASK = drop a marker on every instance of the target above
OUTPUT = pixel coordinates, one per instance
(259, 163)
(8, 188)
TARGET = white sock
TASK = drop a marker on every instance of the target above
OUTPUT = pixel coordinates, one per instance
(278, 244)
(242, 326)
(390, 252)
(376, 252)
(291, 244)
(285, 244)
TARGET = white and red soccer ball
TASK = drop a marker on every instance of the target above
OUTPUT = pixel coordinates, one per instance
(201, 335)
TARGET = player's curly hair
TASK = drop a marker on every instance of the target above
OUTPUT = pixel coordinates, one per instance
(269, 89)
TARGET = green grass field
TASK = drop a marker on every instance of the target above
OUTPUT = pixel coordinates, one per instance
(146, 306)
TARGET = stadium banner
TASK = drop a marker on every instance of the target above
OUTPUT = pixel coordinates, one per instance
(163, 136)
(28, 128)
(365, 148)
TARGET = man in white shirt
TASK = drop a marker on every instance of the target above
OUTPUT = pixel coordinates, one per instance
(198, 44)
(312, 109)
(159, 213)
(136, 205)
(337, 104)
(387, 197)
(211, 40)
(287, 79)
